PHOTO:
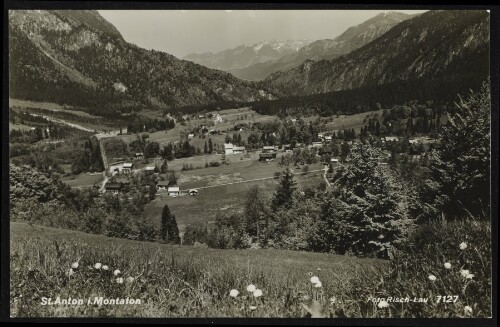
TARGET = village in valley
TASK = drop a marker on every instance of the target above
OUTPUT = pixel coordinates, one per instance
(293, 178)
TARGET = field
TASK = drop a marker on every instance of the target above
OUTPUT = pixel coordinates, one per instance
(83, 180)
(171, 281)
(213, 197)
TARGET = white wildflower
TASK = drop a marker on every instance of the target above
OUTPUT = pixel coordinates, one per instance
(119, 280)
(469, 276)
(468, 309)
(314, 279)
(447, 265)
(97, 265)
(130, 279)
(463, 246)
(75, 265)
(257, 293)
(117, 272)
(105, 267)
(318, 284)
(251, 288)
(234, 293)
(464, 272)
(383, 304)
(253, 307)
(432, 277)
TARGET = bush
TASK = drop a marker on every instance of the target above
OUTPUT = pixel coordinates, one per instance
(423, 257)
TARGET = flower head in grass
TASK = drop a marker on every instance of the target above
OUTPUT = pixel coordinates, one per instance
(432, 278)
(251, 288)
(70, 272)
(117, 272)
(463, 246)
(464, 272)
(257, 293)
(253, 307)
(314, 279)
(234, 293)
(447, 265)
(130, 279)
(105, 267)
(98, 265)
(74, 265)
(318, 284)
(469, 276)
(468, 309)
(383, 304)
(333, 300)
(119, 280)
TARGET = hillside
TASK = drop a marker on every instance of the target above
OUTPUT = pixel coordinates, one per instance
(353, 38)
(243, 55)
(80, 59)
(444, 46)
(171, 280)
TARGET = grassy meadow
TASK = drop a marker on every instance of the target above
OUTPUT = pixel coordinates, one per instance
(452, 273)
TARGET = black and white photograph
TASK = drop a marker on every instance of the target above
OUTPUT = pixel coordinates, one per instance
(249, 163)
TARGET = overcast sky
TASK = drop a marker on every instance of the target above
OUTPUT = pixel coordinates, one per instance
(181, 32)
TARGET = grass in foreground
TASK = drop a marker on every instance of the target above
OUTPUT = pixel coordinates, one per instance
(448, 264)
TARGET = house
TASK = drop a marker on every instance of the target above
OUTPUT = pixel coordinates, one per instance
(173, 191)
(139, 155)
(268, 148)
(413, 141)
(193, 192)
(228, 148)
(123, 181)
(287, 148)
(238, 149)
(162, 185)
(266, 156)
(149, 170)
(113, 188)
(321, 135)
(127, 167)
(316, 145)
(334, 162)
(328, 138)
(390, 139)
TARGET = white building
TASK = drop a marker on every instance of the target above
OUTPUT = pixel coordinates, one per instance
(174, 191)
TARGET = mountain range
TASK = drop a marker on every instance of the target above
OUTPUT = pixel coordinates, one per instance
(243, 56)
(353, 38)
(449, 46)
(78, 58)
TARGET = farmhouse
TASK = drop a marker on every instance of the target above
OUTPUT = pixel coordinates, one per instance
(321, 135)
(390, 139)
(328, 138)
(173, 191)
(193, 192)
(238, 149)
(334, 162)
(228, 148)
(265, 156)
(287, 148)
(139, 155)
(113, 188)
(268, 149)
(162, 185)
(127, 167)
(123, 181)
(316, 145)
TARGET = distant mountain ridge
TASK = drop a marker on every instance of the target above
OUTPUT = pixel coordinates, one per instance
(436, 45)
(76, 57)
(246, 55)
(353, 38)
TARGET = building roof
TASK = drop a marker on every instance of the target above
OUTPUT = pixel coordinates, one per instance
(228, 145)
(150, 168)
(139, 154)
(239, 148)
(334, 160)
(173, 189)
(267, 155)
(391, 138)
(162, 183)
(193, 191)
(113, 186)
(269, 147)
(127, 165)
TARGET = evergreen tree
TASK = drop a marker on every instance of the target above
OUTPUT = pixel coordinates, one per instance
(284, 192)
(210, 146)
(205, 148)
(169, 230)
